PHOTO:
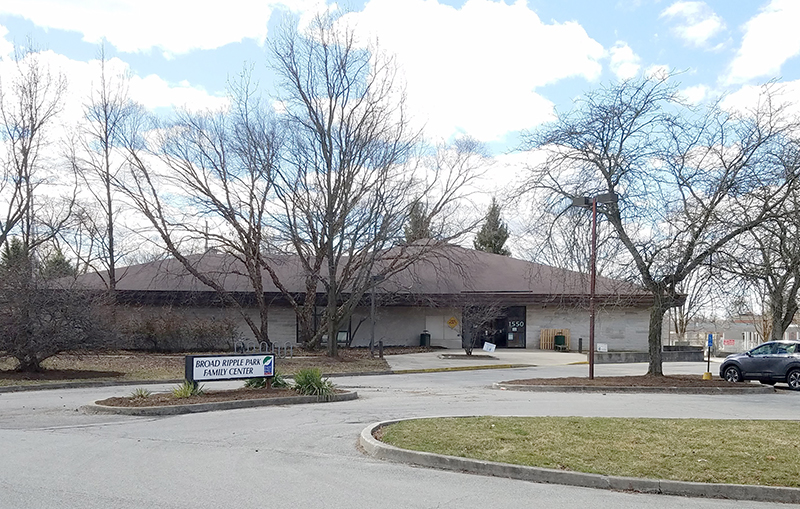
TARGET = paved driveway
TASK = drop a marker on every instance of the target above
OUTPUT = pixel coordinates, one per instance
(306, 456)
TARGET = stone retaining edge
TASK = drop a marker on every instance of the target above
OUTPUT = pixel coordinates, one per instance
(210, 407)
(755, 389)
(380, 450)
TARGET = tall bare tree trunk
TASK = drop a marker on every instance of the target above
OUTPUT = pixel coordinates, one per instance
(654, 335)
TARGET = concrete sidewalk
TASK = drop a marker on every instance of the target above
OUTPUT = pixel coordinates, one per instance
(444, 359)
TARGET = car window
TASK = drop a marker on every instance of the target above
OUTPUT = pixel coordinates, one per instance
(764, 349)
(791, 348)
(780, 348)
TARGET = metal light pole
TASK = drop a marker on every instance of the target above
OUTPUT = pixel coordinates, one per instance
(586, 202)
(374, 280)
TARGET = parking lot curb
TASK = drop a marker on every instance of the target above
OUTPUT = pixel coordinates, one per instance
(742, 389)
(111, 383)
(380, 450)
(85, 385)
(211, 407)
(462, 368)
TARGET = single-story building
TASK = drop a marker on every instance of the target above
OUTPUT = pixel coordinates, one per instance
(527, 304)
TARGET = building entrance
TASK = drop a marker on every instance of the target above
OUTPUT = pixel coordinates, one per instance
(508, 330)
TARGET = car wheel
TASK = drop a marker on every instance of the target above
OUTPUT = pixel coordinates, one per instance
(733, 374)
(793, 379)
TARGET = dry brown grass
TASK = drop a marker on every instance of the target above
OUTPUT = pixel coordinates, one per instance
(126, 366)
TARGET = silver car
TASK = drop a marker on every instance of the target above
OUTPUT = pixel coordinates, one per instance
(771, 362)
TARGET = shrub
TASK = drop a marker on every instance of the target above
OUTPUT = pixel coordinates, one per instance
(309, 382)
(41, 318)
(169, 331)
(187, 389)
(140, 393)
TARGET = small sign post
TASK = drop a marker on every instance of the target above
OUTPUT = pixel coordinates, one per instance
(707, 374)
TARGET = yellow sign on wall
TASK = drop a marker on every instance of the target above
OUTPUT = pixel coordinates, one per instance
(452, 322)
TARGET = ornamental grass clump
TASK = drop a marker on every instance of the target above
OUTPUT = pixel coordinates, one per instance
(140, 393)
(187, 390)
(278, 382)
(255, 383)
(309, 382)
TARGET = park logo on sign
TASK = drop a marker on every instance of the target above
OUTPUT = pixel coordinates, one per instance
(269, 365)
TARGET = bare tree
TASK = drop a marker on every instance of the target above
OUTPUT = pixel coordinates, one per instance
(218, 166)
(767, 261)
(96, 156)
(688, 182)
(699, 293)
(30, 100)
(478, 323)
(344, 183)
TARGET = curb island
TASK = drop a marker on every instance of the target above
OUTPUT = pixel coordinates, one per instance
(380, 450)
(210, 407)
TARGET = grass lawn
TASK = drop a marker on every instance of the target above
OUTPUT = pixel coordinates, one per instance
(146, 366)
(699, 450)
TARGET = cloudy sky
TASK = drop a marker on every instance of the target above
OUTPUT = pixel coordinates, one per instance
(488, 68)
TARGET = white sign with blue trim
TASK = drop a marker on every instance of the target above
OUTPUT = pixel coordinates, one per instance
(229, 367)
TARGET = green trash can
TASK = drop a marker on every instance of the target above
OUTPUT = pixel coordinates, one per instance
(425, 338)
(560, 343)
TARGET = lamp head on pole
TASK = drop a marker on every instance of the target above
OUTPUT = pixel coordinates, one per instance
(585, 202)
(582, 201)
(607, 198)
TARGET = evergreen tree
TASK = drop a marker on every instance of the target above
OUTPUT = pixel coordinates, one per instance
(494, 233)
(419, 224)
(56, 265)
(15, 257)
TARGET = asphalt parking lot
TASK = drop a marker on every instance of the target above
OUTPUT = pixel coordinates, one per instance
(307, 456)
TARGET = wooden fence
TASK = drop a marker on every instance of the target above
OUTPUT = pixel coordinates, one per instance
(547, 338)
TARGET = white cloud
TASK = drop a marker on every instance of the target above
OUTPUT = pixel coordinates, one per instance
(174, 26)
(695, 94)
(624, 62)
(6, 47)
(771, 38)
(748, 98)
(151, 91)
(695, 22)
(657, 71)
(475, 69)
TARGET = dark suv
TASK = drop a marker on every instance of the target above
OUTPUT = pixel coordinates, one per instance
(775, 361)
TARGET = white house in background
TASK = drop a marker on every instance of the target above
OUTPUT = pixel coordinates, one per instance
(537, 302)
(732, 335)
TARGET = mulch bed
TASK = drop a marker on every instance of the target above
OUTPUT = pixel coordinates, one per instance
(167, 399)
(628, 381)
(59, 374)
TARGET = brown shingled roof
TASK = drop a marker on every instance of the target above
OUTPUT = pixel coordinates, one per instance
(447, 271)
